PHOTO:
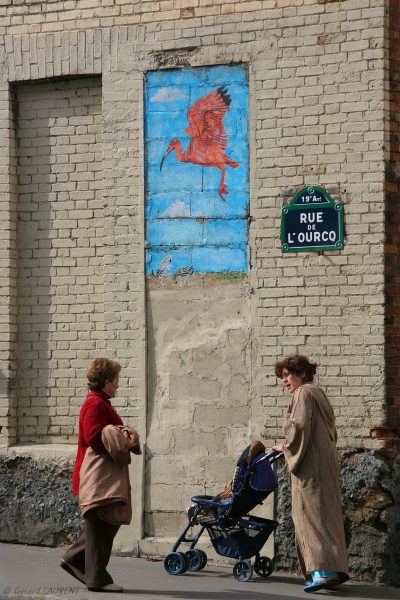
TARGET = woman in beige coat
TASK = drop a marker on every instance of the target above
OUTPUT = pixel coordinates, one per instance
(310, 453)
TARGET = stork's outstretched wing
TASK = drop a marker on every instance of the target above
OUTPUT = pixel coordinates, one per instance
(205, 117)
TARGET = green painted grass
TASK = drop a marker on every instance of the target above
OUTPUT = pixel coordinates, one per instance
(231, 276)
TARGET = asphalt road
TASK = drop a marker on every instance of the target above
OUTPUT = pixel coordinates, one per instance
(33, 573)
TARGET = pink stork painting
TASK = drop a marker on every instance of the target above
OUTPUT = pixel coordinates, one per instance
(208, 138)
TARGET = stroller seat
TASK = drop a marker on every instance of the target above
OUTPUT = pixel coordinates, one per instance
(232, 531)
(207, 515)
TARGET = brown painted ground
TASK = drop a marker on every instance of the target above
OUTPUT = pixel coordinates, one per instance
(170, 282)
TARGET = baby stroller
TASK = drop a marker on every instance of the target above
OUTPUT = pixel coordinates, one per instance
(233, 532)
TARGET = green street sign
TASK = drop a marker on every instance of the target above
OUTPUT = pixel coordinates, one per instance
(312, 222)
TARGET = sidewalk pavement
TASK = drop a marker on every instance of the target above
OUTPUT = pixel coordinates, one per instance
(33, 573)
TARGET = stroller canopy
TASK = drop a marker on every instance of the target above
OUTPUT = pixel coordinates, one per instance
(254, 467)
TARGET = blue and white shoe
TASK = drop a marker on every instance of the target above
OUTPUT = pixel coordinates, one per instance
(322, 580)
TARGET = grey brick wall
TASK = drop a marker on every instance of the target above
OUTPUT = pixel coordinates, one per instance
(316, 79)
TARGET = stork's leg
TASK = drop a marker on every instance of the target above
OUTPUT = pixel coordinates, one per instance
(222, 189)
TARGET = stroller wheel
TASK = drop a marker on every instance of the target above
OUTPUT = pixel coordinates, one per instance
(204, 556)
(242, 570)
(197, 559)
(264, 566)
(176, 563)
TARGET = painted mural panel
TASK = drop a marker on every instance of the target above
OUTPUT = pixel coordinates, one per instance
(197, 163)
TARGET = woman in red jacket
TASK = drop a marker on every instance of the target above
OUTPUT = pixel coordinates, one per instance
(88, 557)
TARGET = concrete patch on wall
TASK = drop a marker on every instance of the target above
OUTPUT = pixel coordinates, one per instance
(199, 409)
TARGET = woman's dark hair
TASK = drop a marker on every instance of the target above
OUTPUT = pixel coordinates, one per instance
(298, 364)
(100, 371)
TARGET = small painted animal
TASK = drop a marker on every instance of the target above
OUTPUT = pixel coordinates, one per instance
(163, 268)
(182, 273)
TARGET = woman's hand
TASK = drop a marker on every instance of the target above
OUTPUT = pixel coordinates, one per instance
(132, 437)
(277, 448)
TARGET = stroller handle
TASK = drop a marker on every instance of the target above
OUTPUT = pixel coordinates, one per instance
(273, 455)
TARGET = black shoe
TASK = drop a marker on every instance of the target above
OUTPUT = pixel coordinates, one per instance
(109, 587)
(72, 571)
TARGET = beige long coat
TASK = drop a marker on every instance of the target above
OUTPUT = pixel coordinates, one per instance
(104, 479)
(310, 453)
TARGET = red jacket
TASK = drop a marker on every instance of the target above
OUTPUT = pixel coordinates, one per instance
(95, 414)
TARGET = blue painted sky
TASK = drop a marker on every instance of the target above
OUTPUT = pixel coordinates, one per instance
(186, 220)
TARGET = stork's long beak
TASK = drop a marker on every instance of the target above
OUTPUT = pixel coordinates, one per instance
(165, 156)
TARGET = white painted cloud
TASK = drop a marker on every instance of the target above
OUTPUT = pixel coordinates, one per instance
(178, 209)
(167, 94)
